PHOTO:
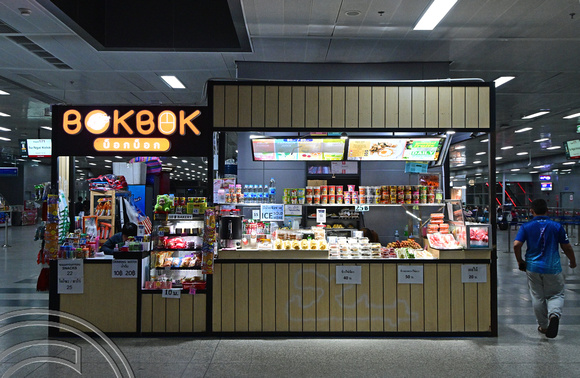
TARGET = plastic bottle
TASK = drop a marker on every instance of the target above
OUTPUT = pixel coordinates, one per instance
(396, 235)
(252, 193)
(272, 190)
(406, 232)
(246, 194)
(260, 195)
(273, 229)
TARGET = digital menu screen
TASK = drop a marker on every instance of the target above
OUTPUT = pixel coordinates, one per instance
(315, 149)
(415, 149)
(39, 147)
(545, 186)
(572, 149)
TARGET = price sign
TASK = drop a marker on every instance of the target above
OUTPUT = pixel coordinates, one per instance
(361, 208)
(320, 215)
(124, 268)
(70, 277)
(171, 293)
(410, 274)
(348, 274)
(293, 209)
(473, 273)
(256, 214)
(274, 212)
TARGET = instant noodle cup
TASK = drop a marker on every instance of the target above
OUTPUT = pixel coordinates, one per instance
(316, 190)
(324, 190)
(363, 199)
(324, 199)
(293, 192)
(301, 192)
(339, 189)
(309, 190)
(301, 200)
(348, 195)
(332, 199)
(362, 190)
(378, 200)
(339, 198)
(331, 190)
(317, 199)
(294, 200)
(430, 197)
(377, 191)
(309, 199)
(351, 188)
(347, 200)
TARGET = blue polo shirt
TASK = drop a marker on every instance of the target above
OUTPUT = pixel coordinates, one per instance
(543, 237)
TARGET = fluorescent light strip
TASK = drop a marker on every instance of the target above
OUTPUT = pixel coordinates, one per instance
(173, 82)
(542, 140)
(460, 147)
(6, 139)
(4, 115)
(484, 140)
(502, 80)
(46, 127)
(3, 93)
(523, 130)
(477, 162)
(481, 153)
(515, 170)
(575, 115)
(507, 147)
(522, 153)
(434, 14)
(535, 115)
(533, 172)
(569, 163)
(553, 148)
(5, 129)
(498, 158)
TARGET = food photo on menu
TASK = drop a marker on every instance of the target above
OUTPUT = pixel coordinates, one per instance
(394, 149)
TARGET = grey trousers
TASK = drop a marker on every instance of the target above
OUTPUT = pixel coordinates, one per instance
(547, 291)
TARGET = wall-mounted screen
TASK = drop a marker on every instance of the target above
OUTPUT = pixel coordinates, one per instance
(304, 149)
(8, 171)
(544, 186)
(545, 178)
(39, 147)
(572, 148)
(411, 149)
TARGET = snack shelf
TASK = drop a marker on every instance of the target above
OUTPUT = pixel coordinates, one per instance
(197, 267)
(177, 250)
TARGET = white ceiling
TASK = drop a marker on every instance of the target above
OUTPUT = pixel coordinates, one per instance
(538, 41)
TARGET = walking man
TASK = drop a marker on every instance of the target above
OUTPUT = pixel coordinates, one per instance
(542, 265)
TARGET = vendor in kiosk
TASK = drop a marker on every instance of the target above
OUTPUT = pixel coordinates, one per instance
(129, 229)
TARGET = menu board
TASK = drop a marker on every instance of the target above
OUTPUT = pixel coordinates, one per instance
(416, 149)
(572, 149)
(271, 149)
(39, 147)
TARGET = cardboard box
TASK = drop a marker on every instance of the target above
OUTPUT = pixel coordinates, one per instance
(135, 173)
(316, 182)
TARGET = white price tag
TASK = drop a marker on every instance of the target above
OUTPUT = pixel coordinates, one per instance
(70, 277)
(361, 208)
(320, 215)
(171, 293)
(256, 214)
(410, 274)
(348, 274)
(293, 209)
(273, 212)
(473, 273)
(124, 268)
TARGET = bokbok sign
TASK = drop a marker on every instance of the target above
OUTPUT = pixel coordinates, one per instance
(131, 130)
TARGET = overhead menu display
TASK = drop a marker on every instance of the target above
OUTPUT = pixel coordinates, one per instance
(422, 149)
(271, 149)
(572, 149)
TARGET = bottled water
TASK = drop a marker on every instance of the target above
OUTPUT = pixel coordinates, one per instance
(260, 195)
(272, 190)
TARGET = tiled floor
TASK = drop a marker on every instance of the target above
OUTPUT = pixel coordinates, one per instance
(518, 351)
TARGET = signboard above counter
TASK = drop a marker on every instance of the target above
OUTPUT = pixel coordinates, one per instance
(393, 149)
(302, 149)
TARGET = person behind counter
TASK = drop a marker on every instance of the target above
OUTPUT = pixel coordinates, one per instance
(129, 229)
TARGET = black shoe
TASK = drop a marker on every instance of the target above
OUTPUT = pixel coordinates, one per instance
(553, 327)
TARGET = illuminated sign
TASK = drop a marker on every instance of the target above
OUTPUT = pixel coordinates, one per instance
(39, 147)
(544, 186)
(415, 149)
(158, 130)
(545, 178)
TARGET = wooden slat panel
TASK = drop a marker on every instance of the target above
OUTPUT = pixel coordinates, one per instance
(335, 301)
(418, 107)
(285, 106)
(219, 95)
(298, 106)
(216, 321)
(470, 298)
(322, 298)
(392, 109)
(269, 297)
(258, 106)
(245, 106)
(363, 321)
(311, 107)
(255, 297)
(431, 107)
(378, 110)
(309, 297)
(430, 287)
(484, 101)
(186, 313)
(271, 106)
(405, 106)
(241, 297)
(158, 313)
(472, 107)
(376, 297)
(444, 297)
(228, 299)
(295, 294)
(404, 306)
(349, 307)
(365, 106)
(199, 312)
(146, 312)
(351, 107)
(390, 295)
(338, 106)
(282, 298)
(484, 303)
(172, 315)
(324, 107)
(231, 106)
(458, 107)
(417, 308)
(444, 106)
(457, 303)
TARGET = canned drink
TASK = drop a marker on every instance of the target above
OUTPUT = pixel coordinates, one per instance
(430, 197)
(423, 198)
(228, 198)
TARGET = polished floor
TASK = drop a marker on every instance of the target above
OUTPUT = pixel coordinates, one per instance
(519, 351)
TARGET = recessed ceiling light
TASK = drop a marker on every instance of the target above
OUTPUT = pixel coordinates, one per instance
(4, 115)
(172, 82)
(498, 158)
(553, 148)
(555, 169)
(118, 157)
(92, 164)
(107, 166)
(569, 163)
(108, 161)
(484, 140)
(478, 174)
(523, 130)
(575, 115)
(507, 147)
(481, 153)
(533, 172)
(352, 13)
(169, 163)
(5, 129)
(535, 115)
(3, 93)
(46, 127)
(514, 169)
(6, 139)
(522, 153)
(179, 166)
(477, 162)
(502, 80)
(434, 14)
(184, 161)
(539, 166)
(90, 157)
(541, 140)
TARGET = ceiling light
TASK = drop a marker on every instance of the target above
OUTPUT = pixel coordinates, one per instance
(481, 153)
(502, 80)
(572, 116)
(514, 169)
(90, 157)
(478, 174)
(498, 158)
(4, 115)
(553, 148)
(172, 81)
(3, 93)
(352, 13)
(522, 153)
(107, 166)
(46, 127)
(184, 161)
(434, 14)
(532, 172)
(5, 129)
(522, 130)
(118, 157)
(541, 140)
(566, 170)
(507, 147)
(92, 164)
(108, 161)
(569, 163)
(460, 147)
(477, 162)
(555, 169)
(6, 139)
(169, 163)
(450, 132)
(535, 115)
(179, 166)
(539, 166)
(484, 140)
